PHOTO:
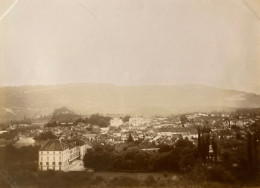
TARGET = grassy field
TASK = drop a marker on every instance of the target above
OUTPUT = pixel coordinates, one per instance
(139, 176)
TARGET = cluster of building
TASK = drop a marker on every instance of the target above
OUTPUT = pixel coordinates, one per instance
(75, 139)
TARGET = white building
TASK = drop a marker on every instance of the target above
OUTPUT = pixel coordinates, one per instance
(57, 154)
(116, 122)
(136, 121)
(104, 130)
(54, 155)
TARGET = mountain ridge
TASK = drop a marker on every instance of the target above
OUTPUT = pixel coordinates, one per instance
(88, 98)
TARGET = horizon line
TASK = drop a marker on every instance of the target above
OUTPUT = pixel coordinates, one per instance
(127, 85)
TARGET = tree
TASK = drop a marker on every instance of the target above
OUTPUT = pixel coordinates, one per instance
(184, 143)
(249, 149)
(99, 120)
(187, 159)
(9, 135)
(183, 119)
(130, 138)
(255, 151)
(126, 118)
(45, 136)
(199, 141)
(99, 157)
(214, 148)
(164, 148)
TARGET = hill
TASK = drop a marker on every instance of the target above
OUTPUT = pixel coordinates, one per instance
(64, 115)
(106, 98)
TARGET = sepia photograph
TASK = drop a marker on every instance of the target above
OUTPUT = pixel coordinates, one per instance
(129, 93)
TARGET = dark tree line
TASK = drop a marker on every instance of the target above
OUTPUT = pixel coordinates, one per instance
(12, 158)
(238, 157)
(205, 141)
(45, 136)
(9, 135)
(252, 152)
(95, 119)
(126, 118)
(180, 157)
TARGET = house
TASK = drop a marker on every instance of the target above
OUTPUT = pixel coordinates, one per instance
(136, 121)
(90, 137)
(116, 122)
(104, 130)
(57, 154)
(54, 155)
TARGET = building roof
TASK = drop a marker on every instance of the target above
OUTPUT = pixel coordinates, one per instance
(74, 142)
(54, 145)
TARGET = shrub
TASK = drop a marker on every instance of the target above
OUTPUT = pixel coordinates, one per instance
(124, 181)
(165, 174)
(150, 180)
(219, 173)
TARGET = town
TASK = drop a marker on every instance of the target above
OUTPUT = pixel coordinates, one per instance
(66, 138)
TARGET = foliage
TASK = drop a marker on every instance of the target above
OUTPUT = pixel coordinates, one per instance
(99, 120)
(9, 135)
(95, 119)
(183, 119)
(126, 118)
(15, 158)
(179, 158)
(130, 138)
(124, 181)
(45, 136)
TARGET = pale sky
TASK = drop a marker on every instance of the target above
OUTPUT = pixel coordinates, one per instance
(131, 42)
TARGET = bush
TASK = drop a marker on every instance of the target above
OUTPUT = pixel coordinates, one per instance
(219, 173)
(97, 180)
(124, 181)
(165, 174)
(150, 180)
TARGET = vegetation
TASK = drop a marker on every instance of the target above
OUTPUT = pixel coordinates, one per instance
(132, 158)
(12, 158)
(126, 118)
(9, 135)
(234, 162)
(230, 160)
(99, 120)
(45, 136)
(95, 119)
(19, 167)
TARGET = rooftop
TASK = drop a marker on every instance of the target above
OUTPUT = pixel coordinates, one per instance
(54, 145)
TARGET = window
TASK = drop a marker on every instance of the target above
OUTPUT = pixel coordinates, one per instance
(53, 163)
(40, 163)
(60, 163)
(47, 163)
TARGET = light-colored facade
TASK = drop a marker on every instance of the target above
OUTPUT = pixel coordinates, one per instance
(136, 121)
(116, 122)
(57, 154)
(54, 155)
